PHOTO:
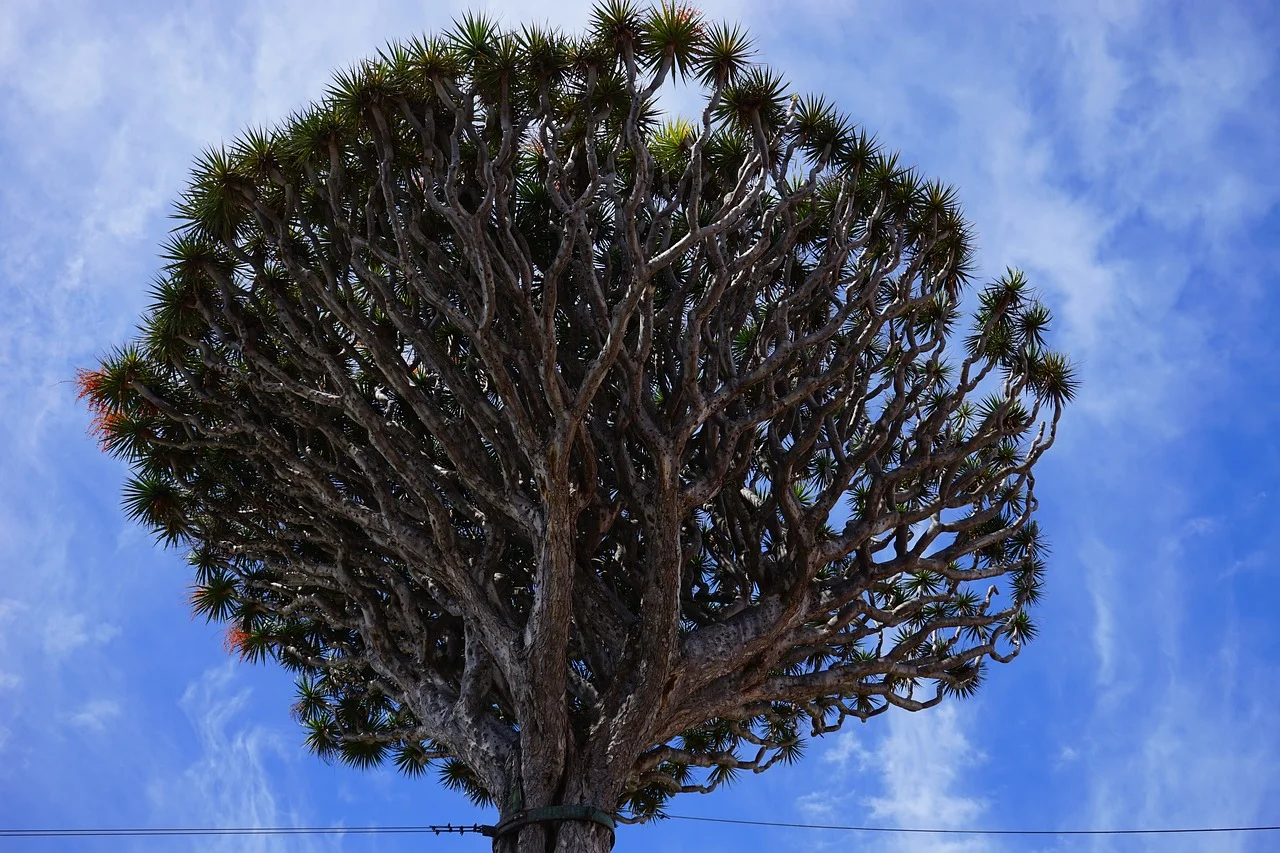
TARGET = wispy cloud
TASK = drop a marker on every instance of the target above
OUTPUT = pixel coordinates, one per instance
(918, 771)
(95, 715)
(1103, 587)
(236, 780)
(1181, 734)
(66, 632)
(928, 765)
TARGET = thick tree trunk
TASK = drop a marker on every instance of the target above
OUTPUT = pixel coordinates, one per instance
(558, 837)
(577, 786)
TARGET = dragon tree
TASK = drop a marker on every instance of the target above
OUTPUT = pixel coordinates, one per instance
(583, 455)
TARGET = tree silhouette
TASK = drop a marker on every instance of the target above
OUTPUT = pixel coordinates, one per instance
(584, 457)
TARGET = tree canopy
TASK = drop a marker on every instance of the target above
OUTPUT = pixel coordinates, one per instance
(585, 455)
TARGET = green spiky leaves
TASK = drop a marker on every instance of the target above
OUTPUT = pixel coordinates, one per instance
(671, 145)
(725, 55)
(676, 34)
(756, 99)
(1011, 330)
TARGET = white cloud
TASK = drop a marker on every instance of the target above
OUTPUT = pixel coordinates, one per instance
(95, 715)
(1187, 758)
(820, 806)
(928, 766)
(1100, 580)
(845, 751)
(925, 770)
(66, 77)
(8, 612)
(237, 779)
(64, 633)
(1166, 106)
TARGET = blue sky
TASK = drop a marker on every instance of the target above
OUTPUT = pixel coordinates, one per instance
(1124, 153)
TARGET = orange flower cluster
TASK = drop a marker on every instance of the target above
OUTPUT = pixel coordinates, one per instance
(236, 641)
(91, 387)
(95, 388)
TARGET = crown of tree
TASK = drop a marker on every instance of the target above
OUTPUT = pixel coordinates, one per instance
(587, 457)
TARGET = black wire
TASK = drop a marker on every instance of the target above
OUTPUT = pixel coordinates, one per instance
(134, 832)
(1175, 831)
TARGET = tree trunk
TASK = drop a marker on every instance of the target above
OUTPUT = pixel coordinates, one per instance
(569, 836)
(580, 792)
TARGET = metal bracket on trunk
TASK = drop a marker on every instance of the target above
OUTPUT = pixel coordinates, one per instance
(587, 814)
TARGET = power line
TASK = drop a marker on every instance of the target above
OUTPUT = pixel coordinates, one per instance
(142, 832)
(920, 831)
(451, 829)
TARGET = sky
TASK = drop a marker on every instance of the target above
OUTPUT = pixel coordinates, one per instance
(1122, 152)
